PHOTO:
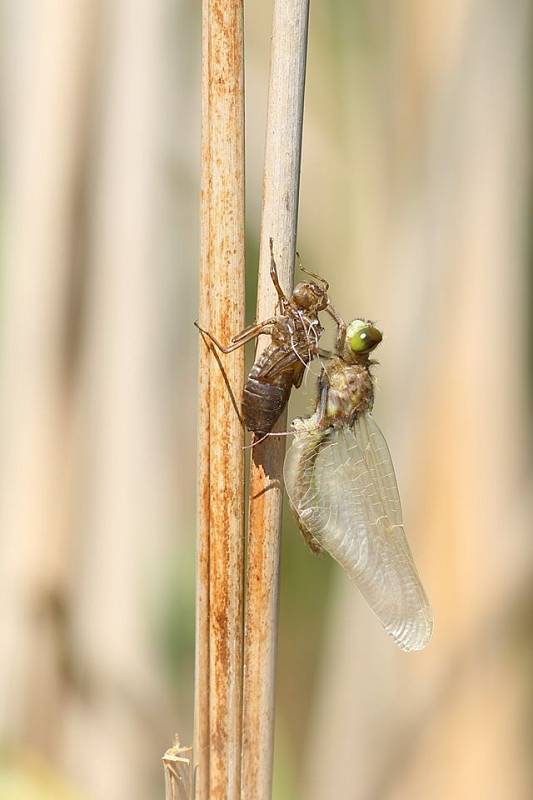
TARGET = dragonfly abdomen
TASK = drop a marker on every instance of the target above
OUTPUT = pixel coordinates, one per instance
(268, 387)
(262, 404)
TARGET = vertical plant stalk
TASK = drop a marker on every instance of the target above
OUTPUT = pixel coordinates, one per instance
(178, 772)
(218, 694)
(279, 221)
(38, 420)
(201, 666)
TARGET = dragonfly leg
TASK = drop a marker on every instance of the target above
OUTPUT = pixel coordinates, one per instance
(284, 302)
(341, 339)
(268, 435)
(253, 330)
(325, 353)
(323, 281)
(341, 327)
(314, 546)
(323, 402)
(238, 341)
(217, 357)
(297, 382)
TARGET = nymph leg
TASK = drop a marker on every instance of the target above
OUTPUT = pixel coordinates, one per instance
(244, 336)
(284, 301)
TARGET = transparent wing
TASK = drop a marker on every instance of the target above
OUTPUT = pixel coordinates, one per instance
(342, 488)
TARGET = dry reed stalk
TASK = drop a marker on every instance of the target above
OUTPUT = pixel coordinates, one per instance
(218, 694)
(178, 772)
(201, 666)
(43, 150)
(121, 523)
(279, 221)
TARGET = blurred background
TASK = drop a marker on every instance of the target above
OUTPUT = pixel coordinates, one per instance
(416, 194)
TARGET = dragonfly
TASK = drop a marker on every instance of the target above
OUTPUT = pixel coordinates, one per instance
(295, 333)
(342, 488)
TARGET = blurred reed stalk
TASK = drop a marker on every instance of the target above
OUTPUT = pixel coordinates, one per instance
(42, 153)
(279, 221)
(219, 601)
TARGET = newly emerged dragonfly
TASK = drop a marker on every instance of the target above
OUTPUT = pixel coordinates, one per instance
(341, 485)
(295, 334)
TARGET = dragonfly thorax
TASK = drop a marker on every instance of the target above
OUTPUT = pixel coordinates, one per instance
(350, 392)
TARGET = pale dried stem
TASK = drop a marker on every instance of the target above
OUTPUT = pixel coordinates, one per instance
(43, 144)
(279, 221)
(178, 768)
(201, 668)
(218, 692)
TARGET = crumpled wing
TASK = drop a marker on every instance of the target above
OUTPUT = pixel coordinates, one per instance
(283, 359)
(342, 488)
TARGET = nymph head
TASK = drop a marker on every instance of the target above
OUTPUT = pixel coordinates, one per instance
(310, 296)
(362, 337)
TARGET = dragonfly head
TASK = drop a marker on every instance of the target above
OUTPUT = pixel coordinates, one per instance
(362, 337)
(310, 297)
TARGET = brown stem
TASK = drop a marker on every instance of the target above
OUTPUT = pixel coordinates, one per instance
(218, 691)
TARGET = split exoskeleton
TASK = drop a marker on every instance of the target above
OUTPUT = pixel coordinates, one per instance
(295, 335)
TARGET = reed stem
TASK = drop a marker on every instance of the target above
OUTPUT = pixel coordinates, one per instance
(218, 688)
(279, 221)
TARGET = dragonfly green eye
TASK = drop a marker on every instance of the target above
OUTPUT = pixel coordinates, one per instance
(362, 336)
